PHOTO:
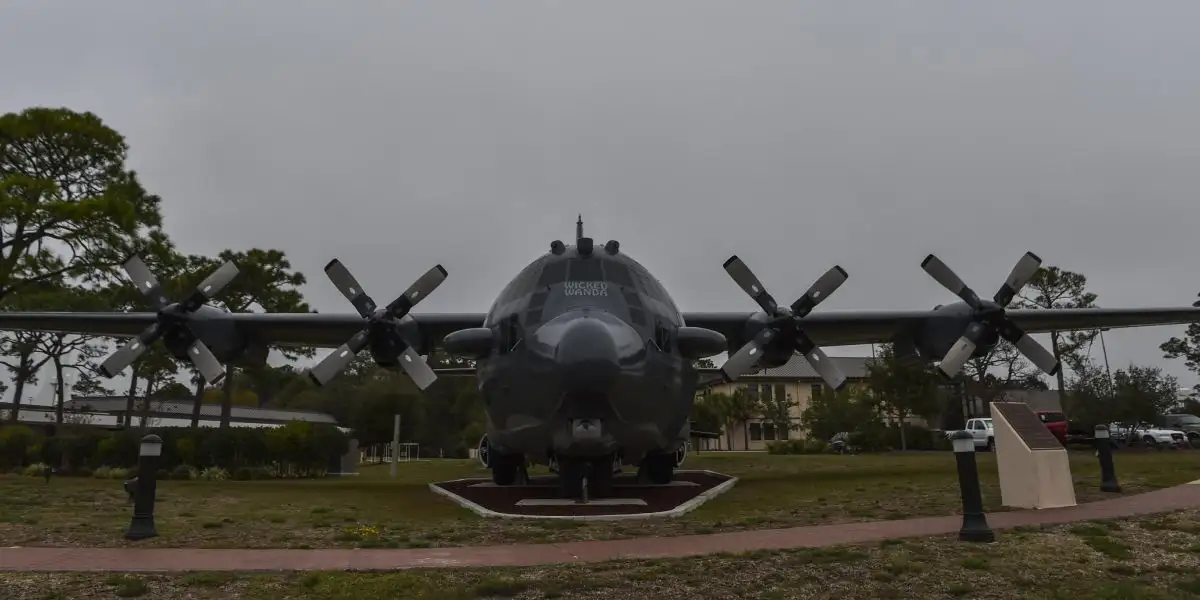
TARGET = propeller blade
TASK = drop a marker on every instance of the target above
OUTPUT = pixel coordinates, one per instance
(745, 279)
(418, 370)
(349, 287)
(338, 360)
(945, 276)
(744, 360)
(416, 292)
(1036, 353)
(820, 290)
(1022, 272)
(211, 286)
(130, 352)
(146, 282)
(826, 368)
(961, 351)
(209, 367)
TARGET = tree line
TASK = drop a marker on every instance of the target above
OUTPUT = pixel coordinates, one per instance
(71, 213)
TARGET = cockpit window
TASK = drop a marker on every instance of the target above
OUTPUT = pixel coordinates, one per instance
(585, 269)
(617, 273)
(555, 272)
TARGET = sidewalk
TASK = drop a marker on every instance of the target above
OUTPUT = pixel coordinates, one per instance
(189, 559)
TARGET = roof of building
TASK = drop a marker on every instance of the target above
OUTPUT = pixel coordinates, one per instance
(853, 367)
(184, 409)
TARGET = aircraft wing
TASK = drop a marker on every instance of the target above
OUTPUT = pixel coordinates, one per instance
(850, 328)
(278, 329)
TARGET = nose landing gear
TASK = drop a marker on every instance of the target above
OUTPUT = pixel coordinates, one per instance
(579, 475)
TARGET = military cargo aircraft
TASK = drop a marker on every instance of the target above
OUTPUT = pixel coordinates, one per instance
(584, 362)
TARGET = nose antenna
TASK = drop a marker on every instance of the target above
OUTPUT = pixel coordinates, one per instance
(579, 227)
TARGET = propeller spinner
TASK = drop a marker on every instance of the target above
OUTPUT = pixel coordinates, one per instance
(989, 318)
(785, 322)
(382, 326)
(172, 319)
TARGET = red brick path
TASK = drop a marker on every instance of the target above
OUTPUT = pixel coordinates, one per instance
(187, 559)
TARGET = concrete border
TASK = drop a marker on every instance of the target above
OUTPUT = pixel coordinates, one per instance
(679, 510)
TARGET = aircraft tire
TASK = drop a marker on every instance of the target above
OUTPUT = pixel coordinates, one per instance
(659, 467)
(570, 477)
(505, 468)
(600, 478)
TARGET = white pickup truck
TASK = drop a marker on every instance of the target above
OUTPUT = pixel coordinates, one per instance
(981, 430)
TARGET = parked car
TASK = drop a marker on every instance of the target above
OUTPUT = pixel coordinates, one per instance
(1156, 437)
(1056, 422)
(1189, 424)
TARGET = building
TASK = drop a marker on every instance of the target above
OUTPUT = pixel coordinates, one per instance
(110, 412)
(795, 381)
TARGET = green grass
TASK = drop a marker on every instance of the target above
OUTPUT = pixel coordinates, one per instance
(372, 510)
(1052, 563)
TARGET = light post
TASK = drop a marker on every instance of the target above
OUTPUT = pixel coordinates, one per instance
(142, 524)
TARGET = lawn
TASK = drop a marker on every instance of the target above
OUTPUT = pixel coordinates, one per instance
(372, 510)
(1156, 558)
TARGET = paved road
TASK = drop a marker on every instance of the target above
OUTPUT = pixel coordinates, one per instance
(188, 559)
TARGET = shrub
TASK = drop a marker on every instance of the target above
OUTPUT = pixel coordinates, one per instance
(15, 442)
(36, 469)
(804, 446)
(111, 473)
(214, 474)
(184, 473)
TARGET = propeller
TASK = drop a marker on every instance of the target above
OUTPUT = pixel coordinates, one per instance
(382, 326)
(988, 318)
(785, 322)
(173, 319)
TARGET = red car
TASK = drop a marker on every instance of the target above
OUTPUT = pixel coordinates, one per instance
(1056, 422)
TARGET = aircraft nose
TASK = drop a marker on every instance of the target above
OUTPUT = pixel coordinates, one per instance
(588, 357)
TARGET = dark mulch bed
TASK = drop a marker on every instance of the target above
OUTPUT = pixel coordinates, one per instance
(503, 499)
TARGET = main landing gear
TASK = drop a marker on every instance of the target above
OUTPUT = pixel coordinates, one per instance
(658, 468)
(507, 469)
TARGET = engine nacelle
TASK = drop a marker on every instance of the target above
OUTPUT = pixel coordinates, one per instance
(386, 349)
(228, 343)
(776, 354)
(932, 339)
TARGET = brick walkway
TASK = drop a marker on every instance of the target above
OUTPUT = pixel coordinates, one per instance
(187, 559)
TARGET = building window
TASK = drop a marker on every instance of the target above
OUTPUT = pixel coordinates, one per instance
(764, 392)
(756, 432)
(769, 431)
(752, 392)
(816, 389)
(780, 391)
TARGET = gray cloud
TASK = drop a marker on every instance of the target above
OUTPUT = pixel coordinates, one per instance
(797, 135)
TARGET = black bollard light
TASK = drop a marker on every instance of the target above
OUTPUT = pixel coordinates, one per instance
(1108, 475)
(974, 525)
(142, 524)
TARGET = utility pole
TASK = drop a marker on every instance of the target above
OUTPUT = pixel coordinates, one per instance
(395, 445)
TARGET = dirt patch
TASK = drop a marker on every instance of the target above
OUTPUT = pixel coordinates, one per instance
(651, 498)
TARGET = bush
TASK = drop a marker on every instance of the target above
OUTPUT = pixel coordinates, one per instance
(184, 473)
(15, 442)
(111, 473)
(36, 469)
(804, 446)
(296, 449)
(214, 474)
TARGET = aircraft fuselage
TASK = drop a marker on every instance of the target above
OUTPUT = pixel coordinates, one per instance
(584, 363)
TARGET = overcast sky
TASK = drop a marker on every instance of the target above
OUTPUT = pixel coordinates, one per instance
(397, 135)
